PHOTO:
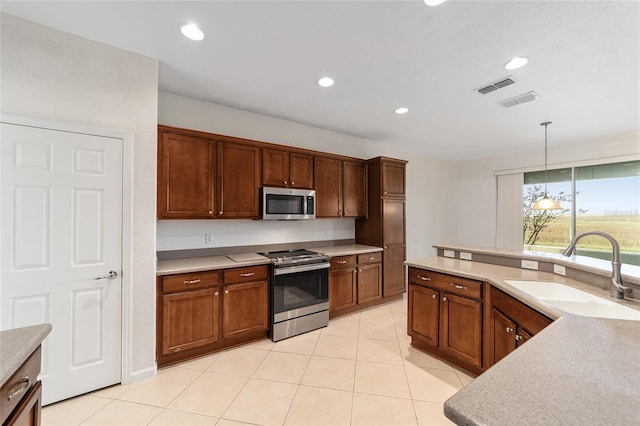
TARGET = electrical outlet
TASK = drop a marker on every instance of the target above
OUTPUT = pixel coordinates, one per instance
(465, 256)
(208, 238)
(529, 264)
(559, 269)
(449, 253)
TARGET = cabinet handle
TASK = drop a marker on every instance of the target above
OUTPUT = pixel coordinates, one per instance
(293, 183)
(370, 258)
(508, 329)
(248, 274)
(459, 287)
(420, 277)
(385, 192)
(444, 299)
(226, 292)
(385, 246)
(210, 211)
(433, 296)
(20, 387)
(191, 281)
(518, 338)
(359, 270)
(177, 349)
(341, 262)
(216, 293)
(285, 182)
(220, 212)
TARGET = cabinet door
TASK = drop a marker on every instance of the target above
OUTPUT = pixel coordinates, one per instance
(461, 328)
(238, 180)
(522, 336)
(190, 319)
(300, 170)
(503, 330)
(29, 411)
(423, 315)
(328, 185)
(185, 176)
(393, 270)
(354, 184)
(393, 179)
(342, 288)
(275, 167)
(245, 308)
(369, 282)
(393, 222)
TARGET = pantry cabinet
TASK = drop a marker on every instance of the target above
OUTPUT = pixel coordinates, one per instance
(285, 169)
(202, 312)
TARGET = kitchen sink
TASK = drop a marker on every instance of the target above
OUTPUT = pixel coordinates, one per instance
(575, 301)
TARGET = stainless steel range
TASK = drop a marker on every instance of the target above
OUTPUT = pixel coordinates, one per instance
(299, 292)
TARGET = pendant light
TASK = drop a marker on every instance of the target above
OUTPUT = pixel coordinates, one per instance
(545, 203)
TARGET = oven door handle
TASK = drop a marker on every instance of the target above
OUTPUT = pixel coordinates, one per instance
(301, 268)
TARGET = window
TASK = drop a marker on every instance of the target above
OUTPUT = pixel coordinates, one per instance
(603, 198)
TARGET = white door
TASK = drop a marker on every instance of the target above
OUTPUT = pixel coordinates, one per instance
(61, 230)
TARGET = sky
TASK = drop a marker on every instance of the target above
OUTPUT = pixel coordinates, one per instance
(605, 196)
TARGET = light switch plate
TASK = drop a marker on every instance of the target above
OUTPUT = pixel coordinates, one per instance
(449, 253)
(465, 256)
(559, 269)
(529, 264)
(208, 238)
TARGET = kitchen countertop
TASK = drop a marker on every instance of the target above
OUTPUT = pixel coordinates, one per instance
(17, 345)
(207, 263)
(345, 250)
(578, 370)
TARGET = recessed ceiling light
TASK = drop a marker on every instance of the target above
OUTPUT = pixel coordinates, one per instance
(325, 82)
(191, 31)
(402, 110)
(433, 2)
(516, 63)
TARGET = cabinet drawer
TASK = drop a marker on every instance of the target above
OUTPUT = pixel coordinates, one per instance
(19, 384)
(452, 284)
(343, 262)
(369, 258)
(242, 275)
(189, 281)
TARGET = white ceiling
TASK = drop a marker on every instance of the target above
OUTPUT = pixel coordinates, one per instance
(266, 57)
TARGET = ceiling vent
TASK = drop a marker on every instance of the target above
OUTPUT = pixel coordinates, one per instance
(520, 99)
(492, 87)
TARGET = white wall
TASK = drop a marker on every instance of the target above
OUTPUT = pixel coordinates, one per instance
(475, 187)
(54, 75)
(429, 182)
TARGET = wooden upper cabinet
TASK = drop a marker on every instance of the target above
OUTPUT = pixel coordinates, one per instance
(238, 180)
(354, 188)
(393, 178)
(328, 184)
(185, 176)
(281, 168)
(300, 170)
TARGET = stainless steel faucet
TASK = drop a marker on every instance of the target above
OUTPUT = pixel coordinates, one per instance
(616, 289)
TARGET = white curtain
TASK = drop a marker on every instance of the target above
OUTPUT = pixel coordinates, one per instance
(509, 215)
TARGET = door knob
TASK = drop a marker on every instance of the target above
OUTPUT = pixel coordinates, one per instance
(110, 276)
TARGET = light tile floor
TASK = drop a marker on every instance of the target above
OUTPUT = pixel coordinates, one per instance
(360, 370)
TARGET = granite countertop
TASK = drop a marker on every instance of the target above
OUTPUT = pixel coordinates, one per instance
(207, 263)
(345, 250)
(578, 370)
(17, 345)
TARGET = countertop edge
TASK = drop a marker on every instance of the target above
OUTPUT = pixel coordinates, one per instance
(16, 345)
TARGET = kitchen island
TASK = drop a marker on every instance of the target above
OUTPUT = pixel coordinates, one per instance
(578, 370)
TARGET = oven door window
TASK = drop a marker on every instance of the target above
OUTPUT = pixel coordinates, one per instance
(300, 289)
(285, 204)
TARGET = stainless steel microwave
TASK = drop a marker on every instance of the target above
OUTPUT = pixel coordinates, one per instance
(288, 204)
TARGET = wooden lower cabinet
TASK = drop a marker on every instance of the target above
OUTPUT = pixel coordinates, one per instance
(512, 324)
(446, 319)
(465, 322)
(203, 312)
(21, 394)
(355, 281)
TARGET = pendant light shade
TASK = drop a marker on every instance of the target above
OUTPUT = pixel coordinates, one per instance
(545, 203)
